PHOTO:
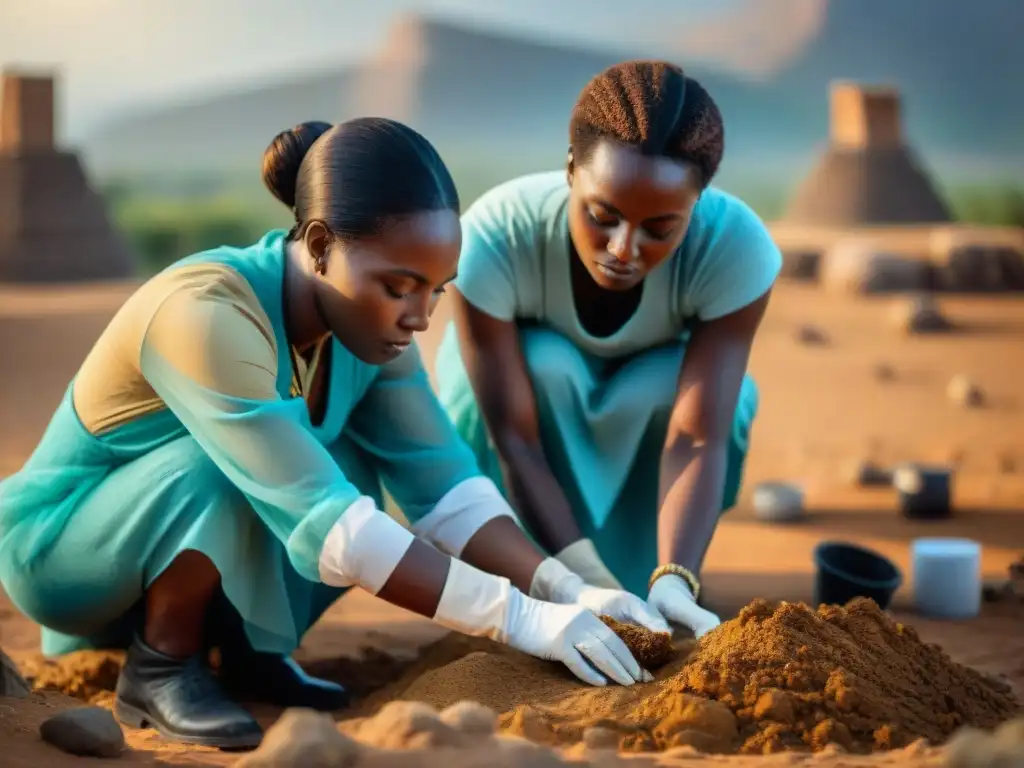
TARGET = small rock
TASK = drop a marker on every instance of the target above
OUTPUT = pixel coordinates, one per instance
(1007, 464)
(409, 725)
(964, 392)
(808, 334)
(598, 738)
(303, 738)
(972, 748)
(868, 474)
(470, 718)
(885, 372)
(778, 502)
(86, 731)
(11, 682)
(919, 314)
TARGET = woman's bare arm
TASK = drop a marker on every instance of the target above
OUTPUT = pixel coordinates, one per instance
(498, 373)
(693, 463)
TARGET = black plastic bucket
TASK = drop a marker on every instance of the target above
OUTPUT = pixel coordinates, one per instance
(845, 571)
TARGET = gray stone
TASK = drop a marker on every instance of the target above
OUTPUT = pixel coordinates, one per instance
(86, 731)
(778, 502)
(11, 682)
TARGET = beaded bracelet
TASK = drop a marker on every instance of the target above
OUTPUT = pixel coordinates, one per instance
(676, 570)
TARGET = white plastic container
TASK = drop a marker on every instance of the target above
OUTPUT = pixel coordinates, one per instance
(947, 577)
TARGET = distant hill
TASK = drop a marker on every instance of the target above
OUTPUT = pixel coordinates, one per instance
(496, 105)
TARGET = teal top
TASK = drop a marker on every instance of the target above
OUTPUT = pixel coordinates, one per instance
(603, 403)
(515, 265)
(201, 349)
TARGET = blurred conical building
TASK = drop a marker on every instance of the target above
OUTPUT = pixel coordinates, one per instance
(868, 174)
(53, 226)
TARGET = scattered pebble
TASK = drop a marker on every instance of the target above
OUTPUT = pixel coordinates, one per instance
(11, 681)
(867, 474)
(598, 738)
(86, 731)
(303, 738)
(808, 334)
(964, 392)
(1007, 464)
(919, 314)
(973, 748)
(885, 372)
(778, 502)
(470, 718)
(409, 725)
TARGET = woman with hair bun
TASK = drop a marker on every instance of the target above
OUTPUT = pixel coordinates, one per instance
(604, 316)
(213, 477)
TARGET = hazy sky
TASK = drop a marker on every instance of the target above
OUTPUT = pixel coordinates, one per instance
(115, 54)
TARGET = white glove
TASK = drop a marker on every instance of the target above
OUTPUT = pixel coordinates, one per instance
(671, 597)
(477, 603)
(581, 558)
(574, 636)
(555, 583)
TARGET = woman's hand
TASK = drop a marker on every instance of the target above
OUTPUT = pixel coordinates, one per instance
(555, 583)
(574, 636)
(581, 558)
(477, 603)
(671, 597)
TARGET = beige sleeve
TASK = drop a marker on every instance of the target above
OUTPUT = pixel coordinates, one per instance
(217, 335)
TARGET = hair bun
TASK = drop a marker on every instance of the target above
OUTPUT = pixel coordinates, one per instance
(283, 158)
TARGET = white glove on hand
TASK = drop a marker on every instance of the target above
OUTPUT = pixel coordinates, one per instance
(581, 558)
(480, 604)
(574, 636)
(671, 597)
(555, 583)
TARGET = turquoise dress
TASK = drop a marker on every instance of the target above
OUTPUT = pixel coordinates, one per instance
(603, 403)
(148, 455)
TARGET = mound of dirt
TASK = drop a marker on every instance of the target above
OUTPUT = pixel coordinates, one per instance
(779, 677)
(796, 678)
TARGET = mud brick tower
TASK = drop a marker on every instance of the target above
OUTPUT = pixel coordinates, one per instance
(53, 225)
(868, 174)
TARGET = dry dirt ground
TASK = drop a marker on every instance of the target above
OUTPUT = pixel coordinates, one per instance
(824, 406)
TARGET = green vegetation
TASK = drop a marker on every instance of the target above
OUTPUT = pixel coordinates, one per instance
(166, 226)
(996, 205)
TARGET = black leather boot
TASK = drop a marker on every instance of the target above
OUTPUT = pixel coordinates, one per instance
(274, 679)
(182, 699)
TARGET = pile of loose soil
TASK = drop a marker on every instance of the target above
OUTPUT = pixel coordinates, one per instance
(779, 677)
(90, 676)
(797, 678)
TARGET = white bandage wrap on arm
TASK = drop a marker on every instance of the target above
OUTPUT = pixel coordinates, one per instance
(460, 513)
(364, 547)
(476, 603)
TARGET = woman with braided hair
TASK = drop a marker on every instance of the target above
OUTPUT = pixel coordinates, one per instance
(214, 474)
(603, 320)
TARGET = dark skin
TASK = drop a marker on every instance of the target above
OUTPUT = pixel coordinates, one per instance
(627, 214)
(372, 294)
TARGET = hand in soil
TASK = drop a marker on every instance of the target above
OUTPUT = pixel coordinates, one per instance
(650, 649)
(622, 606)
(576, 637)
